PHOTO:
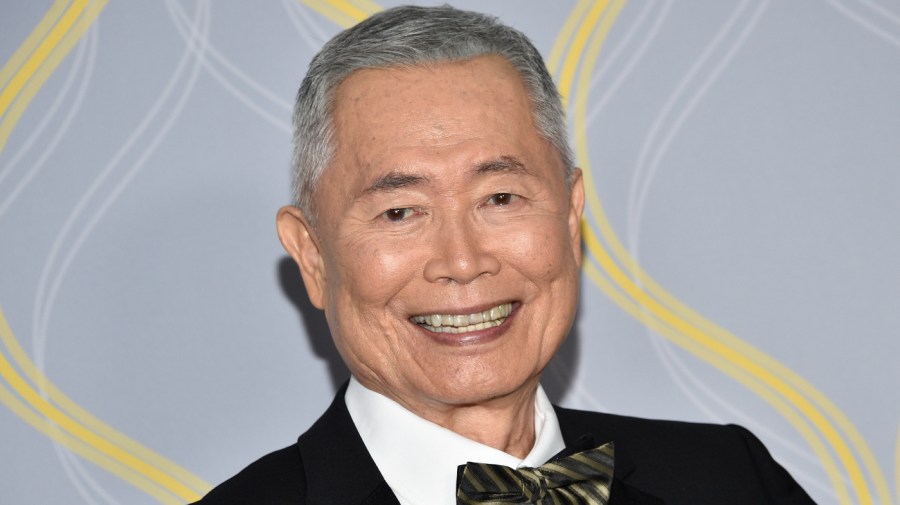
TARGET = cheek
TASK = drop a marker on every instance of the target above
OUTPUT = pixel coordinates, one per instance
(541, 250)
(373, 270)
(368, 277)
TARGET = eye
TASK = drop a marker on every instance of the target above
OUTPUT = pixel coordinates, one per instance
(397, 215)
(502, 199)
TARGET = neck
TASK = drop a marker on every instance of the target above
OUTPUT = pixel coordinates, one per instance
(505, 423)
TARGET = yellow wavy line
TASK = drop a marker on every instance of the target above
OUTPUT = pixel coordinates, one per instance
(367, 7)
(570, 65)
(88, 437)
(80, 415)
(569, 70)
(897, 467)
(638, 312)
(565, 34)
(778, 369)
(857, 441)
(21, 89)
(675, 330)
(651, 305)
(85, 451)
(37, 58)
(332, 12)
(843, 422)
(346, 14)
(847, 457)
(43, 61)
(30, 42)
(350, 10)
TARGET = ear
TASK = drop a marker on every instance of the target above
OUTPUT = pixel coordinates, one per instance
(576, 211)
(300, 241)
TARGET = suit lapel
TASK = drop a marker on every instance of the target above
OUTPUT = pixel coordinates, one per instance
(338, 468)
(575, 426)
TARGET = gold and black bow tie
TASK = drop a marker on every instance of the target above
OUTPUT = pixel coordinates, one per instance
(583, 478)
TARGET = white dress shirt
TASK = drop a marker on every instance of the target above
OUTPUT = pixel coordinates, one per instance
(418, 458)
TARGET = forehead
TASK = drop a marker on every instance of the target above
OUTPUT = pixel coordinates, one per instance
(482, 79)
(430, 113)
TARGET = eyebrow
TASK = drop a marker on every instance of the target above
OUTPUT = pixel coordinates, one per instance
(502, 164)
(399, 180)
(394, 180)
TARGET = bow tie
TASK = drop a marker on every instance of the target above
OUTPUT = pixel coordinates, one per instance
(583, 478)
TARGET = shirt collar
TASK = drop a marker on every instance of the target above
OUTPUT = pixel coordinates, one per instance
(418, 459)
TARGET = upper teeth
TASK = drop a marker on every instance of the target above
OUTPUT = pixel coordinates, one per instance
(452, 323)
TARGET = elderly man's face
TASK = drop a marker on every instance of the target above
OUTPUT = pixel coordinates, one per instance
(447, 245)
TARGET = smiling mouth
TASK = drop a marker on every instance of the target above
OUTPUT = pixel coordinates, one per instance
(451, 323)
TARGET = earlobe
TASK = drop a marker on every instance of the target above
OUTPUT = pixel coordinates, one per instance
(576, 211)
(299, 240)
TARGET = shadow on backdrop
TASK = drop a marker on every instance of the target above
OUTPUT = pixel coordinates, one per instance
(557, 378)
(559, 375)
(313, 321)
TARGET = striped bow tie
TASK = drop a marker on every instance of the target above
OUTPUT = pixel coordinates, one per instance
(584, 478)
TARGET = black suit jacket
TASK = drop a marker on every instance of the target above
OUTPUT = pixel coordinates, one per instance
(656, 462)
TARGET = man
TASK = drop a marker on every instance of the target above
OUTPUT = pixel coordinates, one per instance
(438, 226)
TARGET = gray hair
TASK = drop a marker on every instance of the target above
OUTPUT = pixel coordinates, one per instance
(405, 37)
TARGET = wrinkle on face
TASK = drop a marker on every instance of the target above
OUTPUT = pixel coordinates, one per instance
(442, 140)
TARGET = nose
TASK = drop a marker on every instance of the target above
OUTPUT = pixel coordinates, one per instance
(461, 253)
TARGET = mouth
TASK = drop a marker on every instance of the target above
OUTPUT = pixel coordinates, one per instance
(457, 323)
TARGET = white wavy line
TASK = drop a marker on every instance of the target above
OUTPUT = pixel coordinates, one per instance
(89, 46)
(76, 472)
(636, 205)
(77, 468)
(210, 50)
(865, 23)
(51, 111)
(882, 11)
(42, 313)
(673, 368)
(588, 399)
(638, 192)
(179, 18)
(672, 363)
(636, 57)
(305, 25)
(675, 365)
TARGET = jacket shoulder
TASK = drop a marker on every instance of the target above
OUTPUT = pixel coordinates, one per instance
(688, 462)
(653, 442)
(626, 425)
(274, 479)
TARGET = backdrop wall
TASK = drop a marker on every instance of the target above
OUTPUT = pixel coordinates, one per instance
(743, 259)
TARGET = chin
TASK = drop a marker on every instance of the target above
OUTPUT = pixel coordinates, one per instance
(480, 388)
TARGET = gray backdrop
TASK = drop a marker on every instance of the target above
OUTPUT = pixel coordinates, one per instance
(743, 254)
